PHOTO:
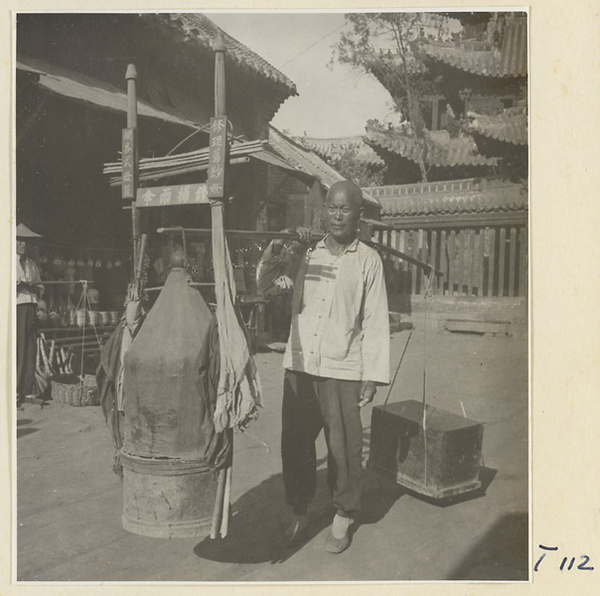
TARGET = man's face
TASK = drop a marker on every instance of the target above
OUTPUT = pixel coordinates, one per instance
(343, 213)
(21, 247)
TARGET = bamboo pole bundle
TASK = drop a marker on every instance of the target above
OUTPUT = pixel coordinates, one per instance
(181, 163)
(191, 157)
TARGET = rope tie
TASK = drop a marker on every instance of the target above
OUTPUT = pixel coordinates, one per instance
(83, 298)
(86, 305)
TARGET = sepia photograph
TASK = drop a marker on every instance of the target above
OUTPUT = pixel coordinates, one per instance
(271, 320)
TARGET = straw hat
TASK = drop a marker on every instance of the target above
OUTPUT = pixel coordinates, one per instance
(23, 232)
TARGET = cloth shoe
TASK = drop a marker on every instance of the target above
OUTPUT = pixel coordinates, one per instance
(338, 540)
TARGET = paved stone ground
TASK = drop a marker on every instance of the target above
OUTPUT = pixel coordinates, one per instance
(69, 500)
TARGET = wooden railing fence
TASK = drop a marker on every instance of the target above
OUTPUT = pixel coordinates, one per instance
(484, 261)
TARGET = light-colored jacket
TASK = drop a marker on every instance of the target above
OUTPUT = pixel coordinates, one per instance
(29, 274)
(340, 324)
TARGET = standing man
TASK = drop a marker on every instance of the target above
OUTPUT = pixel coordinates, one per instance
(29, 291)
(337, 353)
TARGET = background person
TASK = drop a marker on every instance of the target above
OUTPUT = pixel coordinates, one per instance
(337, 353)
(29, 291)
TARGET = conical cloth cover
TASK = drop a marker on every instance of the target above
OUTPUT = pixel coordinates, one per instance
(170, 377)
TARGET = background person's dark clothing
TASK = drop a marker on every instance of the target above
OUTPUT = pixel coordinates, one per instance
(26, 348)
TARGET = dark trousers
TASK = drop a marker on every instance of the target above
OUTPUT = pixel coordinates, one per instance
(26, 349)
(309, 405)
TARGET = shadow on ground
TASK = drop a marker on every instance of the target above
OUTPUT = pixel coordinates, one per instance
(23, 432)
(260, 516)
(501, 555)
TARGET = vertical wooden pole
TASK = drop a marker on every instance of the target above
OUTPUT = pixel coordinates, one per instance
(403, 264)
(523, 261)
(501, 259)
(386, 259)
(479, 250)
(398, 284)
(131, 76)
(434, 261)
(451, 261)
(443, 261)
(491, 261)
(220, 48)
(422, 256)
(222, 505)
(512, 263)
(462, 249)
(470, 260)
(414, 271)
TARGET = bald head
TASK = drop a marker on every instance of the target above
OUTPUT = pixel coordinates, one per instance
(349, 189)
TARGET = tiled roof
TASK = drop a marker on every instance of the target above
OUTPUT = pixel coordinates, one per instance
(452, 197)
(334, 148)
(507, 60)
(510, 126)
(306, 161)
(442, 150)
(198, 28)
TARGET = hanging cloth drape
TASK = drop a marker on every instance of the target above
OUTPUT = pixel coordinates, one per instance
(239, 389)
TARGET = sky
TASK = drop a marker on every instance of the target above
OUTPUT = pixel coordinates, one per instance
(333, 101)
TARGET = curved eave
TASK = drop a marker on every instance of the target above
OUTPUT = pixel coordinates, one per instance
(435, 157)
(510, 133)
(493, 70)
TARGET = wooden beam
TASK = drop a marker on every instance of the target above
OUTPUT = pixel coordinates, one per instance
(269, 235)
(459, 220)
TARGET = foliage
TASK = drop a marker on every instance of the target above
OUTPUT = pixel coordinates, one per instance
(352, 167)
(386, 46)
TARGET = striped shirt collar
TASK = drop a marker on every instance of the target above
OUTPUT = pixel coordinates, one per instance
(350, 248)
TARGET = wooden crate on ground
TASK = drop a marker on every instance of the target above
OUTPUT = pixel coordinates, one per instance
(442, 462)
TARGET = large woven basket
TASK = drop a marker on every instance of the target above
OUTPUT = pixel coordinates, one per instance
(71, 390)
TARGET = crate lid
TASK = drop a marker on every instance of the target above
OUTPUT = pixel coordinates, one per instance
(437, 419)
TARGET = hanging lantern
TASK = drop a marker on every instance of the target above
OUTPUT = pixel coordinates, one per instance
(118, 263)
(109, 264)
(58, 264)
(90, 262)
(98, 263)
